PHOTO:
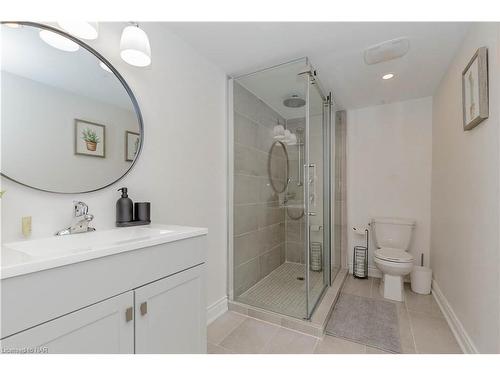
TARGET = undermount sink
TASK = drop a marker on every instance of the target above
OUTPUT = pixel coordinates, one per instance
(23, 257)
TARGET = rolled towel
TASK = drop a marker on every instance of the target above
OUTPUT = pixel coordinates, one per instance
(292, 140)
(279, 130)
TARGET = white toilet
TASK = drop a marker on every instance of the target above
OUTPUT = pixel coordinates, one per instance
(392, 238)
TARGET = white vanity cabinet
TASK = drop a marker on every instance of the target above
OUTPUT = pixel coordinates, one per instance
(166, 319)
(145, 300)
(99, 328)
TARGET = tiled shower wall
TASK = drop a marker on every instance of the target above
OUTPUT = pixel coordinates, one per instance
(259, 219)
(340, 211)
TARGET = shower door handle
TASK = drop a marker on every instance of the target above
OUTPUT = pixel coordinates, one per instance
(312, 185)
(299, 182)
(309, 198)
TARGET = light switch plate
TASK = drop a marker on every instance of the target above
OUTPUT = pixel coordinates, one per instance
(26, 226)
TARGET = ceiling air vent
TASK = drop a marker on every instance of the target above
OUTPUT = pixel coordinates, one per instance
(386, 51)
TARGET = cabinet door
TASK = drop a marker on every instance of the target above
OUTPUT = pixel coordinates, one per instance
(104, 327)
(170, 314)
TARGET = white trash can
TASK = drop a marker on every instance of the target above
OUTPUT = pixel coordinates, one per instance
(421, 279)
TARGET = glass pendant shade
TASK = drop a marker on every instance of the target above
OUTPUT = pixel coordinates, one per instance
(80, 29)
(134, 46)
(58, 41)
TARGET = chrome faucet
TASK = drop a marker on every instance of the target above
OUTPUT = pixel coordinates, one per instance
(81, 225)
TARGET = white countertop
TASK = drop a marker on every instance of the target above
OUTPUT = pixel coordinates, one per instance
(23, 257)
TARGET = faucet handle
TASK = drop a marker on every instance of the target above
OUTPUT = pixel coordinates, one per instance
(80, 208)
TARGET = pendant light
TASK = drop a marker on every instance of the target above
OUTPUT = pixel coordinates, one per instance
(134, 46)
(58, 41)
(80, 29)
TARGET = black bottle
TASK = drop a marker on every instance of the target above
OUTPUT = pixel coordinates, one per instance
(124, 208)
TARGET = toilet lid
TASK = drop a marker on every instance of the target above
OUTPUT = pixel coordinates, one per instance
(393, 255)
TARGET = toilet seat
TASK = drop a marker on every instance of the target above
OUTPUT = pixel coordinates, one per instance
(393, 255)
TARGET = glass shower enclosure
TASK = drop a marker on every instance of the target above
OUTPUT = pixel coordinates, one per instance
(280, 167)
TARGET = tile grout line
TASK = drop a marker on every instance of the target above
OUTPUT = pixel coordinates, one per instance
(220, 347)
(318, 339)
(411, 325)
(259, 229)
(230, 331)
(279, 325)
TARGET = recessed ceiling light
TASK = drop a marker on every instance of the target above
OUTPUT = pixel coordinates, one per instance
(104, 66)
(80, 29)
(388, 76)
(58, 41)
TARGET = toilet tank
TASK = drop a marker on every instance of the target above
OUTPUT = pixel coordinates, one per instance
(392, 232)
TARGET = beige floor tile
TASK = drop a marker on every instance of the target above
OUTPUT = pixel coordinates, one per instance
(286, 341)
(409, 350)
(405, 331)
(251, 336)
(358, 287)
(335, 345)
(370, 350)
(223, 326)
(424, 303)
(432, 334)
(374, 292)
(216, 349)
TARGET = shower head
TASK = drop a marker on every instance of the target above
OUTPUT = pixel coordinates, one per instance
(294, 102)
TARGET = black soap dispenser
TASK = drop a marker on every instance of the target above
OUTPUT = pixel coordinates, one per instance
(124, 208)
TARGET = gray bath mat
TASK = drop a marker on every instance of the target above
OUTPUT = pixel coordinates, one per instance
(367, 321)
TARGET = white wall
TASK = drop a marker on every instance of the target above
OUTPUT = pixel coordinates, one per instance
(182, 169)
(49, 125)
(465, 198)
(389, 169)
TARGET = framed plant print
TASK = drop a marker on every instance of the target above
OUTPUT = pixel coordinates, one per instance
(90, 138)
(475, 90)
(132, 140)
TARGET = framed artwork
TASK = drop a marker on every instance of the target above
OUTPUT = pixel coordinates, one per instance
(90, 138)
(475, 90)
(131, 145)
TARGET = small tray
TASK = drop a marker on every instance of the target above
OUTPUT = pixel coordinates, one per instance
(133, 223)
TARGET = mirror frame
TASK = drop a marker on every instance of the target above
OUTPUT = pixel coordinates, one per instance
(127, 88)
(269, 166)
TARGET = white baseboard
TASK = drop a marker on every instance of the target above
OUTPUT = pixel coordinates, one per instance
(463, 339)
(216, 309)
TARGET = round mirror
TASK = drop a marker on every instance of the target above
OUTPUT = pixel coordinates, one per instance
(277, 167)
(70, 123)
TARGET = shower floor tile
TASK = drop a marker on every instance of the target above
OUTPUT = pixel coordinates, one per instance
(282, 291)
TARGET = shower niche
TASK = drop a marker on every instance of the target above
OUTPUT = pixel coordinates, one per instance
(281, 258)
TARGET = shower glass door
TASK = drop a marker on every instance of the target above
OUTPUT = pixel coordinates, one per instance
(316, 193)
(279, 178)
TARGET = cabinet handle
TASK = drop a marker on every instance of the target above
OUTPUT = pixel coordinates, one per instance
(144, 308)
(129, 314)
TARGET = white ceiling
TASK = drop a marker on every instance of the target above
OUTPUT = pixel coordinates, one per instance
(273, 86)
(336, 50)
(26, 55)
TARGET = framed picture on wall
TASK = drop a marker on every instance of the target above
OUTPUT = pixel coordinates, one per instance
(132, 140)
(90, 138)
(475, 90)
